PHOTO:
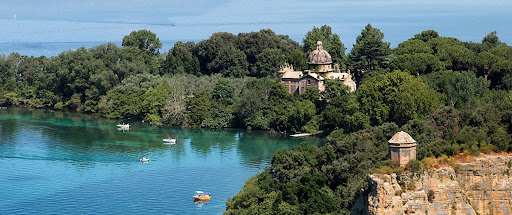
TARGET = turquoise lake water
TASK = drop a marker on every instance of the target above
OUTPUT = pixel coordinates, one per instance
(68, 163)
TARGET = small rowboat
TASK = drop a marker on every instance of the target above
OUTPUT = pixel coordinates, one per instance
(123, 126)
(201, 196)
(169, 141)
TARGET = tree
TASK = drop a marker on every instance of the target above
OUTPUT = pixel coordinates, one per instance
(342, 110)
(298, 59)
(144, 40)
(198, 108)
(417, 64)
(501, 73)
(331, 43)
(268, 63)
(461, 88)
(224, 92)
(173, 113)
(370, 53)
(426, 35)
(254, 43)
(452, 52)
(396, 97)
(313, 95)
(502, 100)
(260, 101)
(155, 100)
(181, 59)
(492, 40)
(476, 47)
(229, 62)
(127, 98)
(219, 54)
(308, 180)
(413, 46)
(296, 115)
(29, 68)
(485, 62)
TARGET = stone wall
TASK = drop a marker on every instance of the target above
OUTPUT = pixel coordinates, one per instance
(483, 186)
(402, 154)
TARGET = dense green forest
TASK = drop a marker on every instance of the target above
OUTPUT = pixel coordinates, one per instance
(451, 96)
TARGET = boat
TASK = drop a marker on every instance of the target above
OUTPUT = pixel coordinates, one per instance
(144, 160)
(169, 141)
(301, 135)
(201, 196)
(123, 126)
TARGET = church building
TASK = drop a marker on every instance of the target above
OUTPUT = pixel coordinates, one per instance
(320, 68)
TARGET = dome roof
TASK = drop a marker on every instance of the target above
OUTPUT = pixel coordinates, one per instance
(401, 138)
(319, 56)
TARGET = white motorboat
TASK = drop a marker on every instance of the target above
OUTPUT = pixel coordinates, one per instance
(144, 160)
(123, 126)
(169, 141)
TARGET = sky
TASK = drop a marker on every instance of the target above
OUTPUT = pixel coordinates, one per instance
(78, 21)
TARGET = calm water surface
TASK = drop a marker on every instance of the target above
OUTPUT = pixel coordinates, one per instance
(66, 163)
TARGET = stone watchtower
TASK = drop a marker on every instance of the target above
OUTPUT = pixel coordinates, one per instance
(402, 148)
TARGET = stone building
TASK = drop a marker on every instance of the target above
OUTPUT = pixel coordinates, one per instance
(320, 68)
(402, 148)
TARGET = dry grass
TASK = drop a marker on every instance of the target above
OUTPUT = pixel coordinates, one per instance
(434, 163)
(464, 157)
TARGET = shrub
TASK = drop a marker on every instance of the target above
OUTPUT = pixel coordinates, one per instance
(392, 163)
(414, 166)
(383, 170)
(431, 196)
(411, 185)
(58, 105)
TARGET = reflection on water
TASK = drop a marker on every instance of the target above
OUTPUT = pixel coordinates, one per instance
(200, 204)
(67, 163)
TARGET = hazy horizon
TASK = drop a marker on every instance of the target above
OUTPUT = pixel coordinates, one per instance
(92, 22)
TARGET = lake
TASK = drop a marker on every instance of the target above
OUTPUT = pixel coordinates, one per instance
(69, 163)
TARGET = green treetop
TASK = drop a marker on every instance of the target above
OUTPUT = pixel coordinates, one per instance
(331, 43)
(370, 53)
(492, 40)
(144, 40)
(426, 35)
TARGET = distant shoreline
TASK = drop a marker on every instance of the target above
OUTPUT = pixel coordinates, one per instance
(54, 48)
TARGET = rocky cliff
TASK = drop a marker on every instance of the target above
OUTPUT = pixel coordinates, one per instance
(483, 186)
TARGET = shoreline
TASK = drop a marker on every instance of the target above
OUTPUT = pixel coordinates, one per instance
(129, 120)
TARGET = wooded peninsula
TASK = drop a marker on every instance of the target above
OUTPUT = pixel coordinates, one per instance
(453, 97)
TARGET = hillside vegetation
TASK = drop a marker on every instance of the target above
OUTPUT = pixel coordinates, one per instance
(451, 96)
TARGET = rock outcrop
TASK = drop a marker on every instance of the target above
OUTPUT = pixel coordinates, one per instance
(483, 186)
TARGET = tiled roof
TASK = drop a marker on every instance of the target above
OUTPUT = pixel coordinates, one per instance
(292, 75)
(315, 76)
(336, 75)
(402, 138)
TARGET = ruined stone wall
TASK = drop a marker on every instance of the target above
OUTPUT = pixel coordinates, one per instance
(483, 186)
(402, 154)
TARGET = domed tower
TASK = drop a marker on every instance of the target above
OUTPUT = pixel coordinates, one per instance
(402, 148)
(320, 60)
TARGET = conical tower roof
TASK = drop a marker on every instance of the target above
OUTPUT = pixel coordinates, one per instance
(401, 138)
